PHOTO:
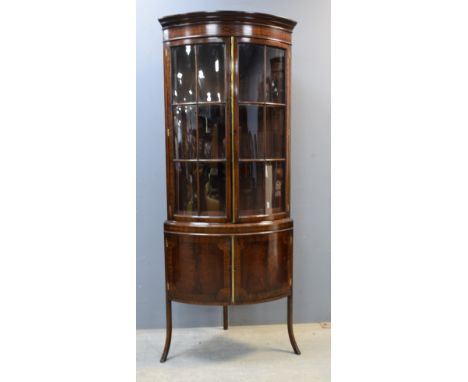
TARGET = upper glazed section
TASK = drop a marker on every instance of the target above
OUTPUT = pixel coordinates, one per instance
(226, 23)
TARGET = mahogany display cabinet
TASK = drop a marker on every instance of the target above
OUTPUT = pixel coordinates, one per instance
(228, 236)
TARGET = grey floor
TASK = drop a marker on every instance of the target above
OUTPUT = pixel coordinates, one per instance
(242, 353)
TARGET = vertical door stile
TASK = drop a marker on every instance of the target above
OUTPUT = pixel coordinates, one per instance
(232, 132)
(233, 170)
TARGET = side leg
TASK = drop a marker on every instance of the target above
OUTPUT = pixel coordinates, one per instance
(290, 326)
(167, 345)
(225, 317)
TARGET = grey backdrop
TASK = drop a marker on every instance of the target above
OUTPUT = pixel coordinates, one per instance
(310, 201)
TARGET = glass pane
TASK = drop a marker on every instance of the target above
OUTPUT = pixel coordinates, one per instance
(185, 133)
(251, 145)
(211, 72)
(275, 75)
(211, 132)
(212, 189)
(274, 187)
(251, 85)
(185, 188)
(183, 74)
(251, 188)
(275, 135)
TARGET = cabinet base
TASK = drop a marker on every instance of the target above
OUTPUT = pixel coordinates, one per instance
(167, 344)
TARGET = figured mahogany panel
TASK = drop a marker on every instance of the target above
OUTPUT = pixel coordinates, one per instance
(263, 266)
(198, 268)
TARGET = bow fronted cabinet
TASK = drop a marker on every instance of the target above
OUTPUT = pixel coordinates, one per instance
(228, 235)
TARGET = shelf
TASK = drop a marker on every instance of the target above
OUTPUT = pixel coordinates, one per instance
(202, 160)
(263, 160)
(261, 103)
(194, 103)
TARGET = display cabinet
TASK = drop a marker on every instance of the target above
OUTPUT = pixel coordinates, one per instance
(228, 236)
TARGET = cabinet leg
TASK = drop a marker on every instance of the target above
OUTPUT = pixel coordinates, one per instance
(168, 330)
(225, 317)
(290, 326)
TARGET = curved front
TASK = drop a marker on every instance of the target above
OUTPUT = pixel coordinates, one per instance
(224, 267)
(229, 236)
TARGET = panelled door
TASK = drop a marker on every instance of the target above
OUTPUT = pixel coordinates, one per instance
(263, 266)
(198, 268)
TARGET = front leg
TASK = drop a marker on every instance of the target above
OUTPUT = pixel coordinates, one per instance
(290, 326)
(168, 329)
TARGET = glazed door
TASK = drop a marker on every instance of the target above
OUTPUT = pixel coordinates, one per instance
(199, 140)
(262, 116)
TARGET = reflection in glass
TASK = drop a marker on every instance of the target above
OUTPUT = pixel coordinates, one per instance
(211, 72)
(185, 188)
(212, 189)
(251, 85)
(211, 132)
(275, 135)
(275, 75)
(274, 186)
(185, 135)
(251, 145)
(251, 188)
(183, 73)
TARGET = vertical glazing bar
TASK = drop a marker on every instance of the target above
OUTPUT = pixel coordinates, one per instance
(266, 205)
(233, 196)
(227, 129)
(197, 170)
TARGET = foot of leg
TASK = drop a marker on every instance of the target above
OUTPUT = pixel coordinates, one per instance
(225, 317)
